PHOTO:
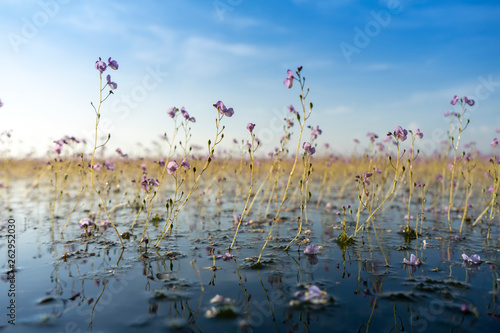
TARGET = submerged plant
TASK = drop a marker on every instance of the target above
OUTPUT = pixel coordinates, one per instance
(311, 249)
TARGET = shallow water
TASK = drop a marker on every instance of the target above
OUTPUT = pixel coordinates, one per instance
(73, 284)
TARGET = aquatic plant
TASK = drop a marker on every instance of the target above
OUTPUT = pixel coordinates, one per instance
(219, 135)
(101, 67)
(306, 113)
(251, 151)
(463, 102)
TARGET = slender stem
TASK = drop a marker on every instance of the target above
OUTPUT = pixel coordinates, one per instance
(98, 115)
(302, 124)
(252, 154)
(386, 198)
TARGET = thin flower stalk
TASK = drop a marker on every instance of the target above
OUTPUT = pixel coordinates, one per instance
(305, 116)
(98, 116)
(251, 151)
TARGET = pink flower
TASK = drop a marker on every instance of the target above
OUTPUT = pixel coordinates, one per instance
(454, 100)
(494, 142)
(171, 112)
(172, 167)
(288, 82)
(228, 112)
(470, 102)
(250, 127)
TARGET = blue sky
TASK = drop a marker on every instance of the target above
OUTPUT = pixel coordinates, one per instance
(370, 65)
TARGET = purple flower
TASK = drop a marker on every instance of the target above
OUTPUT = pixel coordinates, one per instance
(365, 178)
(172, 167)
(494, 142)
(184, 113)
(144, 182)
(311, 249)
(288, 82)
(470, 102)
(119, 151)
(110, 165)
(1, 104)
(491, 189)
(185, 164)
(228, 112)
(497, 130)
(171, 112)
(314, 134)
(400, 133)
(97, 166)
(226, 256)
(291, 109)
(377, 170)
(454, 100)
(313, 292)
(419, 134)
(100, 65)
(473, 259)
(143, 166)
(192, 119)
(250, 127)
(308, 148)
(85, 223)
(112, 63)
(58, 147)
(112, 85)
(414, 261)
